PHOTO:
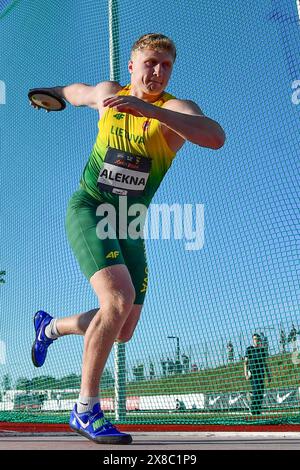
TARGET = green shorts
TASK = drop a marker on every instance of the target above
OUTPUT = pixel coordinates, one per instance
(94, 253)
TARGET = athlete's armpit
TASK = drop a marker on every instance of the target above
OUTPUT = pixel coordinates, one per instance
(183, 106)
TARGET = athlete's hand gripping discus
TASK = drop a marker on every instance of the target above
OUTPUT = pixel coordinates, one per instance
(47, 99)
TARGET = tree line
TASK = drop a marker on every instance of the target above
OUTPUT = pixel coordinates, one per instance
(47, 382)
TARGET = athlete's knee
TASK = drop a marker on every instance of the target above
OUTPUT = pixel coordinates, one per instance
(126, 332)
(125, 335)
(115, 291)
(123, 299)
(119, 302)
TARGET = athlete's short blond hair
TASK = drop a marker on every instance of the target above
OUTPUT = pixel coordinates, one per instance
(156, 42)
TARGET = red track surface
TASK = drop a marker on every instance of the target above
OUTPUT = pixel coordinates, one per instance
(56, 428)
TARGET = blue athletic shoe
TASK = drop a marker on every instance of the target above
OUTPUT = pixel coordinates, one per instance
(42, 342)
(95, 427)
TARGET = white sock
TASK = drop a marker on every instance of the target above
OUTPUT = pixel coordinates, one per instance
(85, 404)
(51, 330)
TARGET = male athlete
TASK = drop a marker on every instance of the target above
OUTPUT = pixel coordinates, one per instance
(141, 128)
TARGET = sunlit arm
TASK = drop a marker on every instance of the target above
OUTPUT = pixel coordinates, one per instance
(188, 121)
(80, 94)
(77, 94)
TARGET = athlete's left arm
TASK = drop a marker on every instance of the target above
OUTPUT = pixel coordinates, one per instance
(183, 117)
(188, 121)
(268, 370)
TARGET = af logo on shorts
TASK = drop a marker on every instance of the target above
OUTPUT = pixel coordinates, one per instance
(113, 254)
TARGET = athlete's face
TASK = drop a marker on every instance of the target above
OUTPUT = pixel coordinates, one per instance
(150, 70)
(256, 341)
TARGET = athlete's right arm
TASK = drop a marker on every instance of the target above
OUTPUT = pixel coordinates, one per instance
(80, 94)
(246, 368)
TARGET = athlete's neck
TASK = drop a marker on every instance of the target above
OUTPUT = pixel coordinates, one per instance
(134, 91)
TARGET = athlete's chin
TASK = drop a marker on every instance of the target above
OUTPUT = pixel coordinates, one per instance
(155, 88)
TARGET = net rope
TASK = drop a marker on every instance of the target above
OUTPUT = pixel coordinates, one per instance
(185, 362)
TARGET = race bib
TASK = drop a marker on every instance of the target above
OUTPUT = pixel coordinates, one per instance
(123, 173)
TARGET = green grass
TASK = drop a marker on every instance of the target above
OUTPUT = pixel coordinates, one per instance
(222, 379)
(188, 418)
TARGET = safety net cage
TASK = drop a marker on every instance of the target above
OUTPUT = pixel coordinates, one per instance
(223, 232)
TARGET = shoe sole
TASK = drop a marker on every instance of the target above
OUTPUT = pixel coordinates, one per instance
(33, 357)
(105, 440)
(32, 349)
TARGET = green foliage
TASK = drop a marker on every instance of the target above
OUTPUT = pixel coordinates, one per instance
(229, 378)
(69, 381)
(138, 372)
(47, 382)
(6, 382)
(2, 273)
(23, 384)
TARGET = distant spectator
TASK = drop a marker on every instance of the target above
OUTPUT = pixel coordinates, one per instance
(255, 366)
(194, 368)
(171, 366)
(292, 338)
(185, 363)
(135, 372)
(178, 367)
(230, 352)
(264, 341)
(164, 366)
(138, 372)
(141, 371)
(151, 370)
(282, 341)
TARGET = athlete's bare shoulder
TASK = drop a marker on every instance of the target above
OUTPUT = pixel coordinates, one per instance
(174, 140)
(104, 90)
(183, 106)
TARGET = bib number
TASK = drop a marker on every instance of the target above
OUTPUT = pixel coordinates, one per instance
(123, 173)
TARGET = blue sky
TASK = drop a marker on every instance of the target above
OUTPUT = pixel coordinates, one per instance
(238, 65)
